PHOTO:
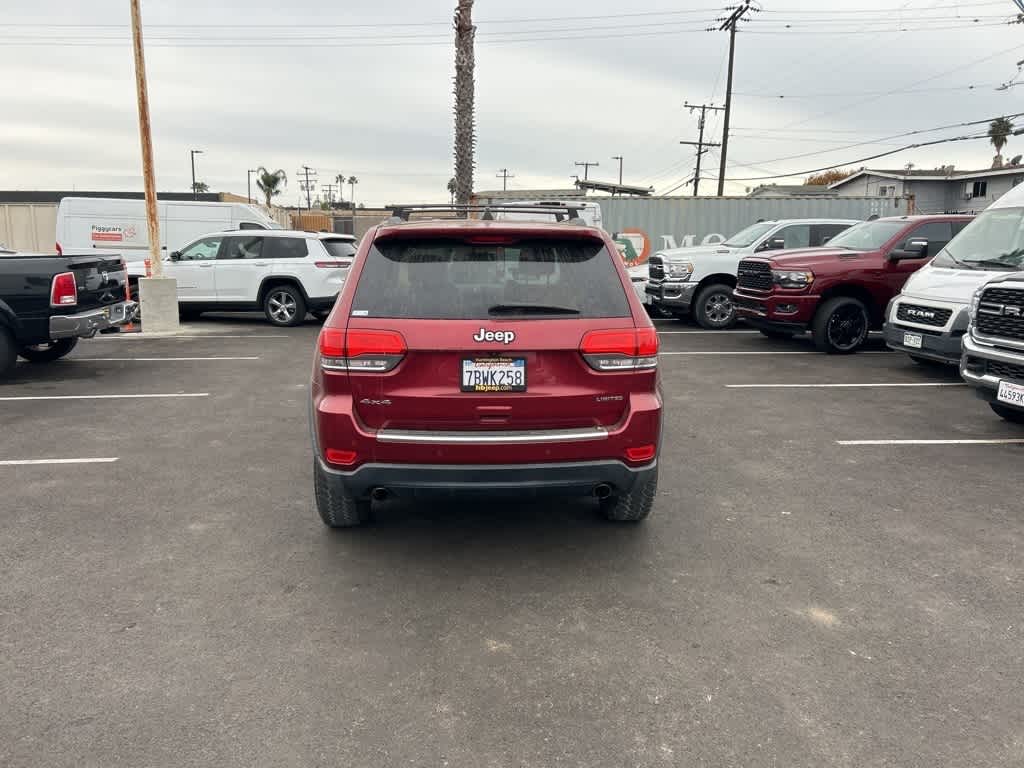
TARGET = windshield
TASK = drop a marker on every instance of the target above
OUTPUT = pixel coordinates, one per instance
(452, 280)
(747, 237)
(867, 236)
(994, 240)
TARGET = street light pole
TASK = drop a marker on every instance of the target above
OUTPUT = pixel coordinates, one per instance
(619, 158)
(249, 183)
(195, 192)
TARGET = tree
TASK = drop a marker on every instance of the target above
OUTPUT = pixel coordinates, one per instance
(340, 178)
(451, 189)
(271, 184)
(200, 187)
(465, 138)
(829, 177)
(352, 181)
(999, 131)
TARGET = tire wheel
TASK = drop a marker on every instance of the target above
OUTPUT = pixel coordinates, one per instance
(284, 306)
(773, 334)
(633, 506)
(8, 354)
(841, 326)
(337, 508)
(185, 313)
(48, 351)
(713, 308)
(1010, 414)
(322, 314)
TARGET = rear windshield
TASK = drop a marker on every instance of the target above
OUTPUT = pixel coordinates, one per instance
(338, 248)
(448, 280)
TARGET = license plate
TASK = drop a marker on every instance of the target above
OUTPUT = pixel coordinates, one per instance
(494, 374)
(913, 340)
(1012, 394)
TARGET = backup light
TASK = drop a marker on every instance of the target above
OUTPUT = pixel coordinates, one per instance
(628, 349)
(360, 351)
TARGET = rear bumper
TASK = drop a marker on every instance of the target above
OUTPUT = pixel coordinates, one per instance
(677, 296)
(943, 347)
(320, 304)
(88, 324)
(531, 480)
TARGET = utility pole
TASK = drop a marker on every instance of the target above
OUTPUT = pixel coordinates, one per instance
(504, 175)
(700, 143)
(586, 168)
(195, 192)
(575, 180)
(158, 296)
(329, 191)
(619, 158)
(248, 181)
(307, 184)
(729, 24)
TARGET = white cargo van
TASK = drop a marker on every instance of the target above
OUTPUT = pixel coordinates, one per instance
(929, 319)
(89, 224)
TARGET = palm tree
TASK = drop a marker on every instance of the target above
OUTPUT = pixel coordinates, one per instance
(999, 131)
(465, 139)
(200, 186)
(271, 184)
(352, 181)
(451, 189)
(340, 178)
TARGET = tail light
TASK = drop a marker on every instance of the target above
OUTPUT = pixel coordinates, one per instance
(60, 251)
(333, 264)
(360, 351)
(629, 349)
(63, 291)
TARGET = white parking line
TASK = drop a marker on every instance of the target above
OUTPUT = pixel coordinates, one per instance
(104, 397)
(1007, 441)
(729, 352)
(156, 359)
(844, 386)
(28, 462)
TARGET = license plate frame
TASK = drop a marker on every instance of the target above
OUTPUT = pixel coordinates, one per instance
(505, 377)
(1010, 393)
(913, 340)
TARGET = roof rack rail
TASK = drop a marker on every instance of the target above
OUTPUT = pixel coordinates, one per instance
(568, 213)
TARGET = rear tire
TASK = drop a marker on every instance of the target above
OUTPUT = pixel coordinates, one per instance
(337, 508)
(284, 306)
(187, 313)
(48, 351)
(841, 326)
(1010, 414)
(773, 334)
(713, 308)
(8, 354)
(634, 506)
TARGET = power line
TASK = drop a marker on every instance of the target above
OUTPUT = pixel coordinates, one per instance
(700, 144)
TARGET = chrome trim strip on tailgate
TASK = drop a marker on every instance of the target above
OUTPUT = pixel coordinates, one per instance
(492, 438)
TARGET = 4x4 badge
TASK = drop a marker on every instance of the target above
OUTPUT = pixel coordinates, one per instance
(505, 337)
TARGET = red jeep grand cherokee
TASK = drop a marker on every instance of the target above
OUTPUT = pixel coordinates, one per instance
(480, 356)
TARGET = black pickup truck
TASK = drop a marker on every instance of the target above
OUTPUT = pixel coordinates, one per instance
(47, 303)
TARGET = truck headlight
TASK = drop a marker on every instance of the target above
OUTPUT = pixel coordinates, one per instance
(785, 278)
(680, 271)
(972, 309)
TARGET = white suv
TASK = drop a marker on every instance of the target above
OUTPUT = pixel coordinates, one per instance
(284, 273)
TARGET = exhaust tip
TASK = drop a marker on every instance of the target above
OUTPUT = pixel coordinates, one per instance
(602, 491)
(379, 494)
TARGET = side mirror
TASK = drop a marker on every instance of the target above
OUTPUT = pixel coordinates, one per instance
(175, 255)
(776, 243)
(915, 249)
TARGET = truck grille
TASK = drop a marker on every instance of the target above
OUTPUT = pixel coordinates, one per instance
(1004, 370)
(1001, 313)
(754, 274)
(916, 313)
(656, 268)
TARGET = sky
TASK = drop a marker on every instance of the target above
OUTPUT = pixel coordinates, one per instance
(364, 89)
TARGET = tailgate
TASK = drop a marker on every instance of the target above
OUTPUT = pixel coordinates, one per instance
(100, 280)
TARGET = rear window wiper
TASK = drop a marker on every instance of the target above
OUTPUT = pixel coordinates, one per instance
(531, 309)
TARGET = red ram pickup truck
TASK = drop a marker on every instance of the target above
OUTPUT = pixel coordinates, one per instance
(839, 293)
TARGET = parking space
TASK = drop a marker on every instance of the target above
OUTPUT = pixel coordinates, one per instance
(813, 589)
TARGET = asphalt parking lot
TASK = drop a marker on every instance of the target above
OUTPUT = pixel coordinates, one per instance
(806, 593)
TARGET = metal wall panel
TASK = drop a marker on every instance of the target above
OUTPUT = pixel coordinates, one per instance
(28, 227)
(651, 224)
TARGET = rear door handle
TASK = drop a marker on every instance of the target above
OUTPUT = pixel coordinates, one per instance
(206, 266)
(261, 263)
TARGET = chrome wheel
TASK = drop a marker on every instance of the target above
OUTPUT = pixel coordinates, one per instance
(282, 307)
(718, 308)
